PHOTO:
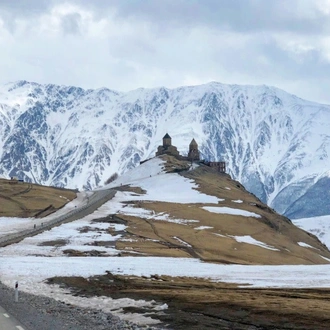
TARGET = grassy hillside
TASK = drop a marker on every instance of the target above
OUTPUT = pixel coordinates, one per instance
(217, 237)
(23, 199)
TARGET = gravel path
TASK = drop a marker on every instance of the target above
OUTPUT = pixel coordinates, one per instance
(40, 313)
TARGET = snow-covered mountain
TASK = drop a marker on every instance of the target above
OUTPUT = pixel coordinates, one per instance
(318, 226)
(276, 144)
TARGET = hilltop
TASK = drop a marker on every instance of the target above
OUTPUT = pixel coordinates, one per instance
(175, 208)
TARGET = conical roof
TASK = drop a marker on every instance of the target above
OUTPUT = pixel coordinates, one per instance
(193, 142)
(166, 136)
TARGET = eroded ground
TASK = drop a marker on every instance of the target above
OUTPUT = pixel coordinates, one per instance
(200, 304)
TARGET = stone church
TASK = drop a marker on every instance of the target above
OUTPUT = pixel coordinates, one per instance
(167, 147)
(193, 154)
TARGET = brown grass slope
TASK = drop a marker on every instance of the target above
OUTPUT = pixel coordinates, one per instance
(217, 244)
(24, 199)
(197, 304)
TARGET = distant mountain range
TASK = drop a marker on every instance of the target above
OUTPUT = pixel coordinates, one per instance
(276, 144)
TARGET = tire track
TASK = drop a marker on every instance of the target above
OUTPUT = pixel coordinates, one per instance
(20, 205)
(25, 191)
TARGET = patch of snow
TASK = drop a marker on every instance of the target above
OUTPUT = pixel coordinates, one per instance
(182, 221)
(193, 166)
(327, 259)
(231, 211)
(305, 245)
(203, 227)
(32, 271)
(182, 241)
(128, 240)
(9, 225)
(220, 235)
(250, 240)
(237, 201)
(161, 186)
(161, 307)
(318, 226)
(152, 167)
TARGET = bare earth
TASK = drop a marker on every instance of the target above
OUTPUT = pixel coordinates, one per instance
(197, 304)
(24, 199)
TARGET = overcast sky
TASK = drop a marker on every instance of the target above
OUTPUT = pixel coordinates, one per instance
(126, 44)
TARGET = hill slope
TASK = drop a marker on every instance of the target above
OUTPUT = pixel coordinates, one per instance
(24, 199)
(203, 214)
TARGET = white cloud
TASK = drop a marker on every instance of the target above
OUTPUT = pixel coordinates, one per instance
(323, 6)
(124, 45)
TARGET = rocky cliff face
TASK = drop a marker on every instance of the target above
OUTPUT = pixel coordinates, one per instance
(276, 144)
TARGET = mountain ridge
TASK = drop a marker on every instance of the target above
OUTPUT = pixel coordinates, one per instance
(275, 143)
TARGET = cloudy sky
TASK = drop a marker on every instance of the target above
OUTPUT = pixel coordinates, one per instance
(126, 44)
